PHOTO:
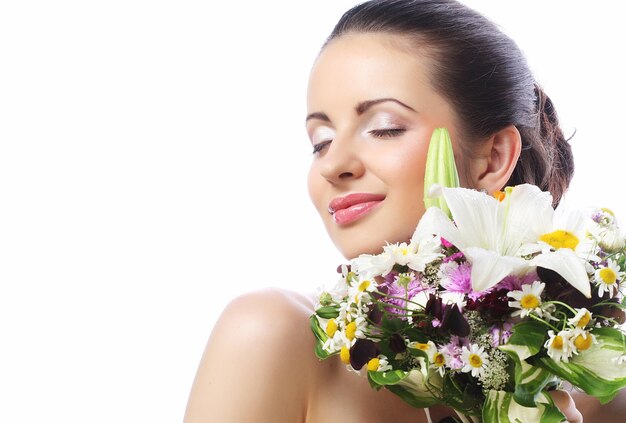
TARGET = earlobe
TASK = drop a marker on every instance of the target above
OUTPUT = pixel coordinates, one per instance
(505, 147)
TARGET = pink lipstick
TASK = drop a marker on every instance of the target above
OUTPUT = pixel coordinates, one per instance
(352, 207)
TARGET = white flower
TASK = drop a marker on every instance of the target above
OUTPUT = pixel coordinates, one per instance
(582, 340)
(439, 361)
(565, 248)
(378, 364)
(560, 346)
(490, 231)
(528, 299)
(474, 360)
(582, 318)
(608, 278)
(605, 230)
(415, 255)
(359, 292)
(429, 348)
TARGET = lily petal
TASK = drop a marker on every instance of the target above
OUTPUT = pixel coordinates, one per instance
(475, 215)
(436, 222)
(489, 267)
(566, 263)
(528, 214)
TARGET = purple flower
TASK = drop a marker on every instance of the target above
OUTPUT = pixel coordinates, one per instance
(401, 291)
(514, 283)
(445, 243)
(454, 257)
(452, 352)
(500, 334)
(459, 279)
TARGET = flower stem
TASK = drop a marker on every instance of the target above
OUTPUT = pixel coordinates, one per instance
(543, 321)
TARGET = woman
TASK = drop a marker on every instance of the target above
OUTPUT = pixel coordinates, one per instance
(390, 73)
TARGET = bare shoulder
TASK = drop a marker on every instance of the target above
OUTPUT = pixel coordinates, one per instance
(257, 356)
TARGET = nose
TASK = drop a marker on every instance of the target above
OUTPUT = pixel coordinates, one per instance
(341, 161)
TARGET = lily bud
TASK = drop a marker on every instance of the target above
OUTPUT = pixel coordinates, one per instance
(440, 169)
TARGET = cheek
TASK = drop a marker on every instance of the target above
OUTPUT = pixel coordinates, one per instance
(404, 169)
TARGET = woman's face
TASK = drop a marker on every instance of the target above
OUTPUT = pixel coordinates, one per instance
(371, 113)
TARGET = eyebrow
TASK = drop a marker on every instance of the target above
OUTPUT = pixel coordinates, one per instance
(361, 108)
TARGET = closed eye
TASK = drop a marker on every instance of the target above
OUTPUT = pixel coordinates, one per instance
(320, 146)
(391, 132)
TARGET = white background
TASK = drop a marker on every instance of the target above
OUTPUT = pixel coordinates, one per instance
(152, 166)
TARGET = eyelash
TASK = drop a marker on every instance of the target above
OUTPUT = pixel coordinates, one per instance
(379, 133)
(391, 132)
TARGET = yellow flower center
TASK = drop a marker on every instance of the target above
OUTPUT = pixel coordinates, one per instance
(557, 343)
(439, 360)
(530, 301)
(351, 330)
(345, 355)
(331, 328)
(608, 276)
(560, 239)
(583, 343)
(404, 251)
(364, 285)
(373, 364)
(419, 346)
(475, 360)
(584, 321)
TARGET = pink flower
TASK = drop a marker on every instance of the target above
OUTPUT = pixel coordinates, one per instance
(398, 304)
(500, 335)
(514, 283)
(459, 279)
(452, 352)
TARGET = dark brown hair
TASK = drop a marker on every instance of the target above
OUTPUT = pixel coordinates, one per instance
(483, 74)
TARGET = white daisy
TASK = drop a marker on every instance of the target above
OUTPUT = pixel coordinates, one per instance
(582, 340)
(582, 318)
(359, 292)
(429, 348)
(528, 300)
(560, 346)
(608, 278)
(439, 361)
(605, 230)
(474, 360)
(415, 255)
(378, 364)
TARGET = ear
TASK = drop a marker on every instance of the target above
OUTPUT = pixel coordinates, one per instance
(500, 155)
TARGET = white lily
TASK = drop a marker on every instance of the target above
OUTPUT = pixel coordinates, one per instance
(565, 248)
(488, 231)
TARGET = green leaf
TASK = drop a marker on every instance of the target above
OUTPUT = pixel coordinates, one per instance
(440, 168)
(411, 386)
(501, 407)
(459, 397)
(526, 341)
(595, 370)
(529, 335)
(328, 312)
(320, 337)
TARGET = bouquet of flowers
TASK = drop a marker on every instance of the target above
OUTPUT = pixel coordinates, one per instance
(496, 299)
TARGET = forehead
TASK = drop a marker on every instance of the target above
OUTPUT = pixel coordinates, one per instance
(369, 65)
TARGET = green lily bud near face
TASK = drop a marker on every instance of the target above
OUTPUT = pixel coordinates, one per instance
(440, 169)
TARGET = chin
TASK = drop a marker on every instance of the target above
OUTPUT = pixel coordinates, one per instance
(365, 243)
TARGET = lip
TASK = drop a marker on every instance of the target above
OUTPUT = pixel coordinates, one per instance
(352, 207)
